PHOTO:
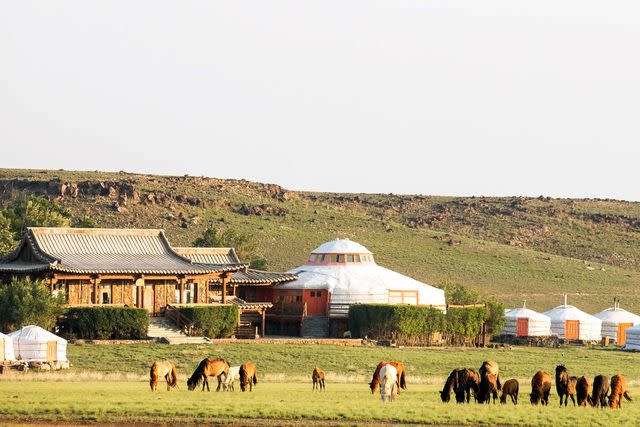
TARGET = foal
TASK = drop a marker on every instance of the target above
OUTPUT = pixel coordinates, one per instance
(318, 379)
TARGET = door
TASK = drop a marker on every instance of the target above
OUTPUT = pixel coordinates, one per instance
(572, 329)
(148, 298)
(522, 327)
(316, 302)
(52, 351)
(622, 333)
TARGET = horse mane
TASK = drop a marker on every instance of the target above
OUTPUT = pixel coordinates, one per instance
(196, 377)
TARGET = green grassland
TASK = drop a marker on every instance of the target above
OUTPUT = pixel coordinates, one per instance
(513, 248)
(108, 383)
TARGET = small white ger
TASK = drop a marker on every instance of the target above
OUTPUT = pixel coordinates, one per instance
(388, 379)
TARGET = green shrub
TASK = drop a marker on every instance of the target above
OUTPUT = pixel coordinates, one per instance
(415, 324)
(108, 322)
(212, 321)
(28, 302)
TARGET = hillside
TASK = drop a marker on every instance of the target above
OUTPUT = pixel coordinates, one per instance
(513, 247)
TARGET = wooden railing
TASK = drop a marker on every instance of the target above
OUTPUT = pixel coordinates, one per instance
(181, 321)
(282, 308)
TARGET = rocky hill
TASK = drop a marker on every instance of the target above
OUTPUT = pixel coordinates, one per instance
(513, 247)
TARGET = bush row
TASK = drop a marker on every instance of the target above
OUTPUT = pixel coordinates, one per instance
(107, 322)
(212, 321)
(416, 324)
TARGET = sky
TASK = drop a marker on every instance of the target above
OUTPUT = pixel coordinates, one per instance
(417, 97)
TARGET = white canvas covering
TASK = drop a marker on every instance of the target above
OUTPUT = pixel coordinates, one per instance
(7, 344)
(590, 326)
(364, 282)
(633, 339)
(539, 325)
(30, 344)
(613, 316)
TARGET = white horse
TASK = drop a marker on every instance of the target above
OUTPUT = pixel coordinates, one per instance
(388, 379)
(232, 374)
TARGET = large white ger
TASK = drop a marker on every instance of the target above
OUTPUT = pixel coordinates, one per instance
(633, 338)
(616, 321)
(570, 323)
(32, 343)
(524, 322)
(348, 271)
(6, 348)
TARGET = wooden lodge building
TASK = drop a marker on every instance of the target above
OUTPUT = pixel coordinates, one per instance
(139, 268)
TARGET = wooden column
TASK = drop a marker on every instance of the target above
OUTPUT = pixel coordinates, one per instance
(181, 287)
(96, 286)
(264, 310)
(234, 290)
(206, 291)
(111, 294)
(225, 279)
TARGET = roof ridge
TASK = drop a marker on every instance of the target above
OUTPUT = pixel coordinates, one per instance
(97, 231)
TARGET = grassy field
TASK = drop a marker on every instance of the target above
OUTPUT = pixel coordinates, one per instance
(512, 248)
(109, 384)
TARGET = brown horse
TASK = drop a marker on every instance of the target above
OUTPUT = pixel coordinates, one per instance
(318, 379)
(467, 380)
(618, 390)
(600, 391)
(452, 379)
(488, 388)
(540, 388)
(164, 369)
(565, 385)
(248, 376)
(208, 368)
(583, 389)
(401, 382)
(491, 367)
(510, 388)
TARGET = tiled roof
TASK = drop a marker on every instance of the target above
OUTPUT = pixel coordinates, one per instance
(103, 251)
(243, 276)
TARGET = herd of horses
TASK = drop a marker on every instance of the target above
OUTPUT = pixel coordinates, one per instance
(485, 385)
(391, 377)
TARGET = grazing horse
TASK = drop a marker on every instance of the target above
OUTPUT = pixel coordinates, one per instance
(600, 391)
(232, 374)
(491, 367)
(510, 388)
(248, 376)
(583, 388)
(388, 382)
(467, 380)
(565, 385)
(318, 379)
(488, 388)
(449, 384)
(208, 368)
(401, 375)
(618, 390)
(540, 388)
(164, 369)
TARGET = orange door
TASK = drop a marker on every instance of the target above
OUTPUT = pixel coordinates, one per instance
(522, 327)
(572, 329)
(52, 351)
(622, 333)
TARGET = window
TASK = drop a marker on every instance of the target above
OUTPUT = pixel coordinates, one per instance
(105, 297)
(313, 294)
(321, 258)
(356, 258)
(403, 297)
(334, 258)
(350, 258)
(319, 294)
(341, 259)
(312, 258)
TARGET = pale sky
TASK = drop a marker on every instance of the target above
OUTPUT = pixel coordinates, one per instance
(430, 97)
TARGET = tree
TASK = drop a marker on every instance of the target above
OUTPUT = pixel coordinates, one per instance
(36, 211)
(28, 302)
(459, 294)
(84, 222)
(242, 243)
(7, 241)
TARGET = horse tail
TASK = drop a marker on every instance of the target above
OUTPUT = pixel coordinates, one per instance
(627, 396)
(153, 376)
(255, 378)
(403, 380)
(173, 377)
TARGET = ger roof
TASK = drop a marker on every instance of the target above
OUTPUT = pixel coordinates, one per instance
(341, 246)
(102, 251)
(618, 315)
(245, 275)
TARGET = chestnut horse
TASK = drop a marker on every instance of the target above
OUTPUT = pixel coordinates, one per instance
(318, 379)
(248, 376)
(540, 388)
(164, 369)
(618, 390)
(449, 384)
(401, 376)
(488, 388)
(583, 389)
(208, 368)
(510, 388)
(491, 367)
(467, 380)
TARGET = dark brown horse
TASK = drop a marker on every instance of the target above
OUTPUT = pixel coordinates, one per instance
(208, 368)
(318, 379)
(565, 385)
(452, 379)
(583, 389)
(600, 391)
(510, 388)
(618, 390)
(540, 388)
(491, 367)
(164, 369)
(488, 388)
(468, 380)
(248, 376)
(402, 376)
